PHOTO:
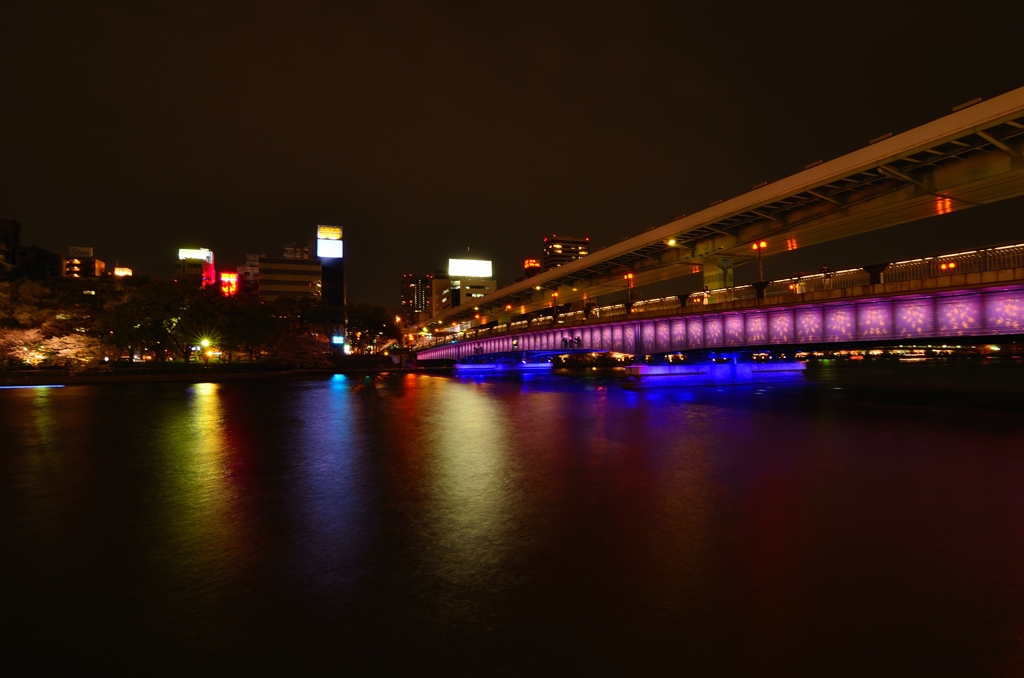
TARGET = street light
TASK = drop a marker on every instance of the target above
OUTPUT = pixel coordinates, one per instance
(629, 287)
(758, 246)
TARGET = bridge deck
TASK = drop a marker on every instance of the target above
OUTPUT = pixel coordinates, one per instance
(961, 305)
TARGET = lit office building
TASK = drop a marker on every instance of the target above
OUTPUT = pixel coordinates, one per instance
(558, 251)
(195, 266)
(288, 277)
(440, 293)
(417, 293)
(531, 267)
(330, 252)
(468, 281)
(82, 264)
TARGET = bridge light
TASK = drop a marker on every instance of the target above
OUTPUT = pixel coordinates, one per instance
(671, 242)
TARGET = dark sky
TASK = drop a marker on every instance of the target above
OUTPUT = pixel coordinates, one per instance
(427, 128)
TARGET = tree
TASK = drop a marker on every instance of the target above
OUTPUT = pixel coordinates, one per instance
(23, 345)
(369, 324)
(75, 351)
(248, 326)
(149, 317)
(25, 303)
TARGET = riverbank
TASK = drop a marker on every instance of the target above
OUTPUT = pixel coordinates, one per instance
(200, 375)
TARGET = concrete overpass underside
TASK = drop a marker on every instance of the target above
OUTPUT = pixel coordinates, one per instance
(972, 157)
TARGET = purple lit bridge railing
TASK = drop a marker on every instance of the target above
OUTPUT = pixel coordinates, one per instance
(937, 315)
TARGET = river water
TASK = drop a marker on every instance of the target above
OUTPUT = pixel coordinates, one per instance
(550, 525)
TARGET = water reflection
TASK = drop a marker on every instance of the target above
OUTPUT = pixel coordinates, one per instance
(536, 526)
(198, 498)
(329, 508)
(200, 545)
(470, 481)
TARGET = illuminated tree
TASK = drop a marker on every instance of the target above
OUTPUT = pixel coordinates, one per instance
(22, 345)
(75, 351)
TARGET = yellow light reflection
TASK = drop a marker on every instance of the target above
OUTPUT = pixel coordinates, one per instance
(469, 488)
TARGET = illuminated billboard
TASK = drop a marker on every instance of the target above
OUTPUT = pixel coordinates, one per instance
(199, 253)
(122, 272)
(329, 249)
(229, 284)
(328, 232)
(469, 268)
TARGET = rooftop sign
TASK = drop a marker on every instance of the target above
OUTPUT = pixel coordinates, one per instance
(200, 253)
(469, 268)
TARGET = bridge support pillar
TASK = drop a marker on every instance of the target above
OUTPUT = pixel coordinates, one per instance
(718, 273)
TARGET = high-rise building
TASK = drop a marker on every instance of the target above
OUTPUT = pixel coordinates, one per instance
(440, 293)
(10, 239)
(558, 251)
(531, 267)
(330, 252)
(296, 251)
(81, 263)
(288, 277)
(417, 293)
(195, 266)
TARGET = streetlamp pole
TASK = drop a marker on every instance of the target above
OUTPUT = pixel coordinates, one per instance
(758, 246)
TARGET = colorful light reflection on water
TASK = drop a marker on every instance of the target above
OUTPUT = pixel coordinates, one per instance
(473, 526)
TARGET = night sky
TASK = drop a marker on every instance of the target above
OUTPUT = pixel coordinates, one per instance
(424, 129)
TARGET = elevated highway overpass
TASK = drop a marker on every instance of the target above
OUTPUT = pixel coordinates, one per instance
(971, 157)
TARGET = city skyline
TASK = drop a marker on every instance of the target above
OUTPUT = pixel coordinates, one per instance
(512, 338)
(526, 123)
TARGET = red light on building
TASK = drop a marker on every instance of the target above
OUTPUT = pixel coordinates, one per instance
(229, 284)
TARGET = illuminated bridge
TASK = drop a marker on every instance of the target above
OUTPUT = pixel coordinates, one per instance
(968, 158)
(965, 295)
